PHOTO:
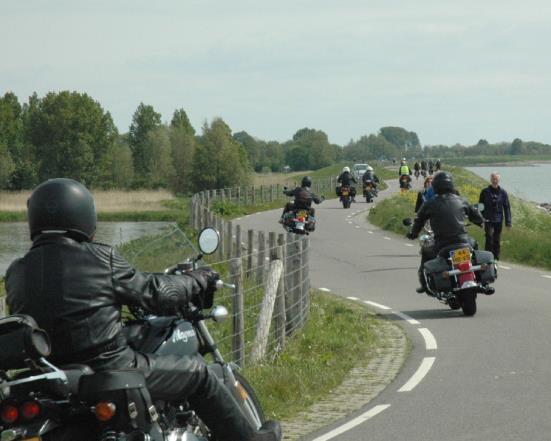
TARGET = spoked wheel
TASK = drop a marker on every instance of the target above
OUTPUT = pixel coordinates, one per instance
(468, 302)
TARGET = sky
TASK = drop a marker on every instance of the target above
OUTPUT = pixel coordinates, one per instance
(452, 71)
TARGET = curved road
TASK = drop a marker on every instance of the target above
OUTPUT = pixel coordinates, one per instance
(486, 377)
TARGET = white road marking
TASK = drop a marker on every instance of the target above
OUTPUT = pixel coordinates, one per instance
(504, 267)
(353, 423)
(370, 232)
(418, 375)
(387, 238)
(377, 305)
(357, 226)
(325, 289)
(430, 341)
(350, 222)
(238, 219)
(546, 276)
(353, 298)
(406, 317)
(409, 245)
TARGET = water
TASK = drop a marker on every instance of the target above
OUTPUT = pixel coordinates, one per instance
(15, 242)
(529, 182)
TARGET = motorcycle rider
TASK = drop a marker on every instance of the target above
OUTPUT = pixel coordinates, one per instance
(431, 167)
(416, 168)
(75, 289)
(303, 199)
(446, 213)
(404, 170)
(438, 165)
(346, 179)
(370, 175)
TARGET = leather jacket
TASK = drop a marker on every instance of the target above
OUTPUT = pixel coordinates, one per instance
(303, 197)
(346, 179)
(447, 213)
(76, 291)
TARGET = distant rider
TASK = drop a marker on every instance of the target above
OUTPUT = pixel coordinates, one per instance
(416, 168)
(370, 175)
(346, 179)
(303, 199)
(424, 167)
(431, 167)
(446, 213)
(438, 165)
(404, 170)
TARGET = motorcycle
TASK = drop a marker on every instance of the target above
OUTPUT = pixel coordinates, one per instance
(299, 221)
(345, 196)
(405, 183)
(41, 401)
(369, 191)
(416, 173)
(424, 173)
(458, 273)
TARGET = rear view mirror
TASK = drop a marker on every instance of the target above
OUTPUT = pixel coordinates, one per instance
(407, 222)
(209, 239)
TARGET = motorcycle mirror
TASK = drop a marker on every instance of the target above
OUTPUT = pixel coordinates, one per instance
(208, 240)
(407, 222)
(480, 206)
(219, 314)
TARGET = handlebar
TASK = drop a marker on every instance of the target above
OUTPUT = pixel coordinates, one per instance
(221, 284)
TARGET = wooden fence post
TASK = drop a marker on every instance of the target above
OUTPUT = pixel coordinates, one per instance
(229, 240)
(253, 200)
(250, 248)
(280, 299)
(238, 313)
(238, 243)
(258, 349)
(221, 247)
(261, 258)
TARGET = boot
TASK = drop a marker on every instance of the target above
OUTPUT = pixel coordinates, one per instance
(219, 410)
(420, 290)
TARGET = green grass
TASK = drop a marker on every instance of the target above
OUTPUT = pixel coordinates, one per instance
(490, 160)
(338, 335)
(528, 242)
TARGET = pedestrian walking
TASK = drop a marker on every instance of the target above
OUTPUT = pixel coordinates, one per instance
(496, 209)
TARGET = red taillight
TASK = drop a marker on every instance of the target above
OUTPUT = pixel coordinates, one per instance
(9, 414)
(30, 410)
(105, 411)
(301, 219)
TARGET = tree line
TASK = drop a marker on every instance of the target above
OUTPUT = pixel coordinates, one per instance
(70, 134)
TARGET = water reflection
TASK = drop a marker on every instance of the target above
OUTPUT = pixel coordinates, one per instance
(14, 236)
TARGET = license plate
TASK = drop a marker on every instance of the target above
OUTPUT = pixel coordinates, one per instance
(345, 193)
(461, 255)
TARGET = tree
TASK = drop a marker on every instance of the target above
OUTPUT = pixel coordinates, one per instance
(144, 119)
(69, 133)
(182, 141)
(312, 150)
(517, 147)
(7, 166)
(219, 160)
(400, 137)
(117, 167)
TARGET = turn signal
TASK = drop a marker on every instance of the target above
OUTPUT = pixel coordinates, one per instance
(105, 411)
(30, 410)
(9, 414)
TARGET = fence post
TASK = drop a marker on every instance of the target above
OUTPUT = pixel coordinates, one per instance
(297, 282)
(258, 349)
(253, 195)
(205, 217)
(280, 299)
(221, 247)
(261, 258)
(250, 248)
(238, 313)
(229, 240)
(238, 244)
(305, 280)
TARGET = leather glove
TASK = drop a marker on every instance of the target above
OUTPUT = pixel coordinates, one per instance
(206, 278)
(410, 236)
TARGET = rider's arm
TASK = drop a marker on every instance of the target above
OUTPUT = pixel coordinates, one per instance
(155, 293)
(290, 192)
(474, 215)
(506, 208)
(420, 220)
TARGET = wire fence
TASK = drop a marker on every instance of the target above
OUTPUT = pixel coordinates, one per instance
(270, 270)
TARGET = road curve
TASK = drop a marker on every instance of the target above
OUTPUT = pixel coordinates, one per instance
(485, 377)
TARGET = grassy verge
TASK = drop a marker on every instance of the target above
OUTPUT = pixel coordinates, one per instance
(492, 160)
(338, 335)
(528, 242)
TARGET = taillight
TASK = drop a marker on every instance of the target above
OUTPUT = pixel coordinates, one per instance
(9, 414)
(30, 410)
(105, 411)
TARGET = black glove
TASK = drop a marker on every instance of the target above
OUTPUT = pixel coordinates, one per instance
(410, 236)
(206, 278)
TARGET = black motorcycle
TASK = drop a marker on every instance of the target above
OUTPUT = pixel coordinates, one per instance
(369, 190)
(41, 401)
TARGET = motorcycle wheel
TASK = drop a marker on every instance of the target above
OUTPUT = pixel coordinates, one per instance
(249, 402)
(468, 303)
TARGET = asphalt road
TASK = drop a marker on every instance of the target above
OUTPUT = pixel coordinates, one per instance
(486, 377)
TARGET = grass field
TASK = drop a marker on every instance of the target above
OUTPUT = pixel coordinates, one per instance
(528, 242)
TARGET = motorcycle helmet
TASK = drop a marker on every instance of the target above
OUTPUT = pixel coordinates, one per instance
(306, 182)
(369, 168)
(62, 205)
(442, 182)
(346, 169)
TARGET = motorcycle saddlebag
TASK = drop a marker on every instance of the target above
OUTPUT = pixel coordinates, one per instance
(126, 388)
(434, 269)
(489, 275)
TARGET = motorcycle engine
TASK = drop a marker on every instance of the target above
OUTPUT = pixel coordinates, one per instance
(183, 435)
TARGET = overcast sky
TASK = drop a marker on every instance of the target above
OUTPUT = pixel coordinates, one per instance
(452, 71)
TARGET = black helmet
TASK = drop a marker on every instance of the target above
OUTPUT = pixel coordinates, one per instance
(306, 181)
(62, 205)
(442, 182)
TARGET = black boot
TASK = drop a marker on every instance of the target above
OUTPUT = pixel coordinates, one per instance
(219, 410)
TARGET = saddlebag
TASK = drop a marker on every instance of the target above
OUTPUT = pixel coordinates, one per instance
(485, 257)
(434, 269)
(125, 388)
